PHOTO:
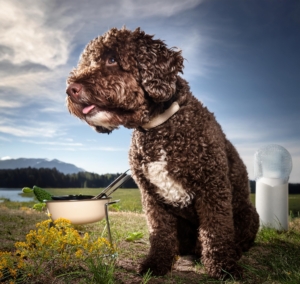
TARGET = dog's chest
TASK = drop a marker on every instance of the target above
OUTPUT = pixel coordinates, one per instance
(171, 191)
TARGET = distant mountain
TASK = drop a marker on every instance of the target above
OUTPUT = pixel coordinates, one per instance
(40, 163)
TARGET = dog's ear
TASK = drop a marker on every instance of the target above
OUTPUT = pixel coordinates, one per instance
(158, 66)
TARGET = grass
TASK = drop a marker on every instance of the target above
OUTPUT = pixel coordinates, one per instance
(130, 198)
(278, 254)
(275, 257)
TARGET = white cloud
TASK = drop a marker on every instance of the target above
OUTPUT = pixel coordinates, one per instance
(52, 143)
(141, 8)
(27, 131)
(5, 158)
(27, 36)
(36, 86)
(33, 54)
(107, 149)
(62, 149)
(108, 13)
(242, 130)
(195, 48)
(31, 129)
(85, 149)
(53, 109)
(66, 139)
(9, 104)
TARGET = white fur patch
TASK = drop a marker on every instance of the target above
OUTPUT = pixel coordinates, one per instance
(101, 118)
(172, 192)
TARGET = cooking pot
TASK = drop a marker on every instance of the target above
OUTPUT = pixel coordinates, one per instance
(78, 211)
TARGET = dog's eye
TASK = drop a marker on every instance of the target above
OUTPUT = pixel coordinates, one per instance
(111, 61)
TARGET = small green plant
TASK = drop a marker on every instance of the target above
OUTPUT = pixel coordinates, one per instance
(134, 236)
(147, 277)
(101, 273)
(115, 207)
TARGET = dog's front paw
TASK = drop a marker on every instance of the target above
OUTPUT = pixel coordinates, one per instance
(154, 266)
(234, 272)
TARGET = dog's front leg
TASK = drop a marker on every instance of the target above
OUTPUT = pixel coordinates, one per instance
(216, 233)
(163, 238)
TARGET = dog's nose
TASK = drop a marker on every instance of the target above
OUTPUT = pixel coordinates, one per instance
(74, 89)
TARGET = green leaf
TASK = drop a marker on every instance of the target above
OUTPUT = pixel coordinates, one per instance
(27, 190)
(134, 236)
(41, 194)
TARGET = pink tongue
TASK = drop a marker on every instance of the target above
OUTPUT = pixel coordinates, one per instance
(87, 109)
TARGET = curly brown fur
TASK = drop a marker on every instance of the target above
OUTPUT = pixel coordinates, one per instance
(194, 186)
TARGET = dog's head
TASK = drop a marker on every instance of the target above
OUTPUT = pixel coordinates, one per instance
(120, 77)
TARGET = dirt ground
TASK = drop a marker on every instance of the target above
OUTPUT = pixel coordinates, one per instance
(185, 270)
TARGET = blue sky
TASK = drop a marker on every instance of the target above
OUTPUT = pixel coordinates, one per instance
(242, 62)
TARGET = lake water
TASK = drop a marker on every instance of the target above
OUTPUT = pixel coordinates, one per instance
(14, 194)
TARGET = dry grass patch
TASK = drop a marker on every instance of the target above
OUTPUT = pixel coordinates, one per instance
(15, 224)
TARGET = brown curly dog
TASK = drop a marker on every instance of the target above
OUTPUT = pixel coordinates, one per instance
(194, 185)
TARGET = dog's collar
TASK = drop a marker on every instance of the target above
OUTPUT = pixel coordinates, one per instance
(163, 117)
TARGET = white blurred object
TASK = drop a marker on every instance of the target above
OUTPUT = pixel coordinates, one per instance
(272, 168)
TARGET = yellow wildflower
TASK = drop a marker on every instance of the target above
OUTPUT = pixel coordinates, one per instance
(13, 272)
(79, 253)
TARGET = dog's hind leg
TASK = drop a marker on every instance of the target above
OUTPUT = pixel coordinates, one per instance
(246, 224)
(245, 217)
(216, 231)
